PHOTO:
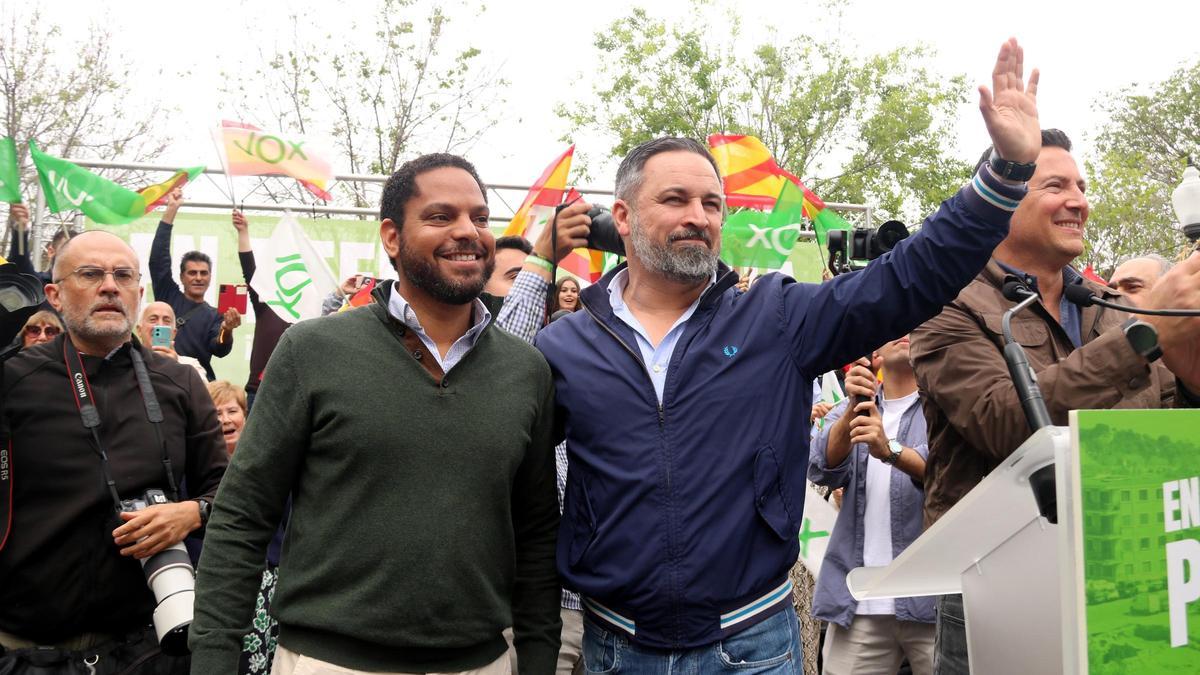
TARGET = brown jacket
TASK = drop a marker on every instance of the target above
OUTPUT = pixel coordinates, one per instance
(975, 417)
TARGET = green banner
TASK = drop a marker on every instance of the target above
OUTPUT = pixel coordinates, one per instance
(10, 175)
(1138, 514)
(349, 246)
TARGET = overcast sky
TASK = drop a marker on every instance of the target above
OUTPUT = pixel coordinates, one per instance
(543, 49)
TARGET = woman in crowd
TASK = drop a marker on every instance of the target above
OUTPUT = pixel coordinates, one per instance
(258, 646)
(231, 410)
(566, 295)
(43, 326)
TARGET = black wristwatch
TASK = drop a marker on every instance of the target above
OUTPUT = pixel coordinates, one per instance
(1143, 338)
(1010, 170)
(205, 508)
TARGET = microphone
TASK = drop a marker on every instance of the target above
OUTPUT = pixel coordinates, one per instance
(1083, 296)
(1043, 481)
(1019, 369)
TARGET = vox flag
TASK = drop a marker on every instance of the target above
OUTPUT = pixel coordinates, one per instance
(292, 277)
(69, 187)
(246, 150)
(754, 239)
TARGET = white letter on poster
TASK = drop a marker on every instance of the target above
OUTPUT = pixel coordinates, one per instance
(1181, 591)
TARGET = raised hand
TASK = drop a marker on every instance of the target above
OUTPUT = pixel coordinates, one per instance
(239, 221)
(1010, 108)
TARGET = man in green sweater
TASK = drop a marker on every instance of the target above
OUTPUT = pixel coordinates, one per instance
(415, 440)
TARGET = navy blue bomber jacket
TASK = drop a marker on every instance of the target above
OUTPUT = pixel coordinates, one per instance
(680, 521)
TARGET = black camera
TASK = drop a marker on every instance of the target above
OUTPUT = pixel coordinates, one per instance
(602, 234)
(862, 244)
(170, 576)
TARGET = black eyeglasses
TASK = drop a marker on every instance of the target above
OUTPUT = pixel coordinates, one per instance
(90, 277)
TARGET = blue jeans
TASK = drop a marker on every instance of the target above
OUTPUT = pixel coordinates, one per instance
(770, 646)
(950, 640)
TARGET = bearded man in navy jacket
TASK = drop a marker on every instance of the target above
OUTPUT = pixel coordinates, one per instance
(680, 399)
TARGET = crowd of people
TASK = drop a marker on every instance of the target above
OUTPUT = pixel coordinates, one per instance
(489, 468)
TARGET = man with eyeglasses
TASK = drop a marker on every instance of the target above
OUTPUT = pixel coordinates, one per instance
(203, 332)
(69, 564)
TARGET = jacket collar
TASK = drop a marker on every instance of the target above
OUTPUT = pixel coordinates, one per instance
(993, 275)
(595, 297)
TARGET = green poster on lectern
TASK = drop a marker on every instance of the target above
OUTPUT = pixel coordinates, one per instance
(1137, 523)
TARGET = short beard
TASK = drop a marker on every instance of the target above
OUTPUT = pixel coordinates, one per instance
(685, 265)
(423, 275)
(82, 324)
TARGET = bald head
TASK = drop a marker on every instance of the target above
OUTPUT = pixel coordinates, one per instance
(93, 243)
(155, 314)
(99, 312)
(1136, 276)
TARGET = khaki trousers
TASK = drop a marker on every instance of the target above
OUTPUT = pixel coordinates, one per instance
(877, 644)
(290, 663)
(570, 654)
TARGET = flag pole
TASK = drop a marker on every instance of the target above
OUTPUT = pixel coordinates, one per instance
(224, 167)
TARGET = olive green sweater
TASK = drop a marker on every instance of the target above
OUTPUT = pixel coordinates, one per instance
(424, 512)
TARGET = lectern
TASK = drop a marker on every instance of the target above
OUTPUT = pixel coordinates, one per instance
(996, 549)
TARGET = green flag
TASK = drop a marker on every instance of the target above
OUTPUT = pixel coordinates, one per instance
(68, 187)
(755, 239)
(826, 220)
(10, 176)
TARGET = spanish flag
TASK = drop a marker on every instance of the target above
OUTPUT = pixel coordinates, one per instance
(156, 195)
(753, 180)
(544, 196)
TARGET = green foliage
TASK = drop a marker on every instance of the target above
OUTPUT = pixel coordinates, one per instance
(400, 93)
(1140, 154)
(71, 96)
(855, 129)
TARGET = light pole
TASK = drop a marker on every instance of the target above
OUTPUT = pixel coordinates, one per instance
(1186, 201)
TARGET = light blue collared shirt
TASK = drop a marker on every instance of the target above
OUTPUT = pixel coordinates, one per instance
(399, 308)
(657, 359)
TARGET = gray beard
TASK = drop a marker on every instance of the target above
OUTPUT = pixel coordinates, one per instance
(686, 265)
(87, 329)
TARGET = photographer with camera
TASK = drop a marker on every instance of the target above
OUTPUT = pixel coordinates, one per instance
(100, 433)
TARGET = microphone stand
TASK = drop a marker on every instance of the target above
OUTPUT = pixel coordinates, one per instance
(1042, 482)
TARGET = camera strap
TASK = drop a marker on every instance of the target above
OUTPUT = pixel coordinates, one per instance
(81, 389)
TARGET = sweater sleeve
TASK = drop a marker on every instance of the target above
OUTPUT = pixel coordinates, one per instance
(249, 267)
(536, 621)
(248, 508)
(23, 261)
(164, 286)
(215, 347)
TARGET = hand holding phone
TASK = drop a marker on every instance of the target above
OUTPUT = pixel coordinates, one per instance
(160, 336)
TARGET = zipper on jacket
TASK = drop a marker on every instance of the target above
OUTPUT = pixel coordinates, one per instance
(637, 357)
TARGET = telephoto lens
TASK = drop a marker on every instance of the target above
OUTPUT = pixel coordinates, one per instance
(171, 578)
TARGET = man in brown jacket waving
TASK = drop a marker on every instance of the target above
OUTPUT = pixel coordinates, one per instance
(1082, 356)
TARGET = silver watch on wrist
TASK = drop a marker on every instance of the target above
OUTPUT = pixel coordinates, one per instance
(896, 449)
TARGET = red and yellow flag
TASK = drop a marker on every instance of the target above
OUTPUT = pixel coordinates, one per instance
(546, 193)
(584, 263)
(247, 150)
(753, 180)
(156, 195)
